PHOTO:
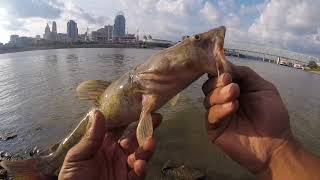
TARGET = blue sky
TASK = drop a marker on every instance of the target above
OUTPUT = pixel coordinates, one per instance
(286, 24)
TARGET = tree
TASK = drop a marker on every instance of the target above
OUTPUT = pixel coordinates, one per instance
(313, 65)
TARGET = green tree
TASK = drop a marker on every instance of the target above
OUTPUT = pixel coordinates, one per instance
(312, 65)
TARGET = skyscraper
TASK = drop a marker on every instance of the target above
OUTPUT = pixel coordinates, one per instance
(119, 28)
(47, 33)
(54, 31)
(54, 27)
(72, 30)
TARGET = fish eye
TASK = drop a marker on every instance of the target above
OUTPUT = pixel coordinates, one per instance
(197, 37)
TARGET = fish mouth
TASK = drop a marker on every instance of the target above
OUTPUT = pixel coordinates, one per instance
(216, 50)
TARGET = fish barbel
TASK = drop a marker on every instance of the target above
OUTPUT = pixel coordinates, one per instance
(135, 95)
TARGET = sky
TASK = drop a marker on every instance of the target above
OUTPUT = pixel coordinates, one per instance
(287, 24)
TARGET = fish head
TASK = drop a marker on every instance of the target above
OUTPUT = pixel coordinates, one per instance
(205, 51)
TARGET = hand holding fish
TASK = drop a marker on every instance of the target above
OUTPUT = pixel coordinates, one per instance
(258, 134)
(99, 155)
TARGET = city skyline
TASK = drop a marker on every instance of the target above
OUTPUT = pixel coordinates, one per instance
(261, 22)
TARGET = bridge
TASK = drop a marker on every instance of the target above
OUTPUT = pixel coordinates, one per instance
(263, 56)
(268, 54)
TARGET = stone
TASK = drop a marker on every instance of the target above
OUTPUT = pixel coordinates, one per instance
(5, 137)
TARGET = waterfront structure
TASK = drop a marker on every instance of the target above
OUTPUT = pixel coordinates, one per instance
(14, 39)
(72, 30)
(102, 35)
(119, 28)
(148, 41)
(61, 37)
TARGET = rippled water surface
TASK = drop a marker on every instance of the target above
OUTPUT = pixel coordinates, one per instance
(38, 103)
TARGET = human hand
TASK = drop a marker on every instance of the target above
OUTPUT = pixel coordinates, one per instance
(258, 119)
(99, 155)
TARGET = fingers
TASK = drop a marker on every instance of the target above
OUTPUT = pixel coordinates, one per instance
(222, 101)
(139, 171)
(92, 140)
(130, 143)
(225, 91)
(213, 83)
(222, 111)
(225, 94)
(138, 160)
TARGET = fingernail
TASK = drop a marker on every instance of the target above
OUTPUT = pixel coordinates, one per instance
(92, 116)
(220, 80)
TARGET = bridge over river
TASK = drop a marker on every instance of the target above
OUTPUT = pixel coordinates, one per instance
(268, 54)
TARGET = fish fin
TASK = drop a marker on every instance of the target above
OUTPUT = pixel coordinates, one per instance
(145, 126)
(174, 100)
(54, 147)
(91, 89)
(32, 169)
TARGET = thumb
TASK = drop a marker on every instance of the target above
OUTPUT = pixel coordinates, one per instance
(91, 141)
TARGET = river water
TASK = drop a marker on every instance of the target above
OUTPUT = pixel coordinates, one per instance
(38, 103)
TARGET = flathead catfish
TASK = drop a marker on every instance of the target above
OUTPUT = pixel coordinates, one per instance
(136, 94)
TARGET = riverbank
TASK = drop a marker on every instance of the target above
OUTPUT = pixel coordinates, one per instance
(67, 46)
(315, 71)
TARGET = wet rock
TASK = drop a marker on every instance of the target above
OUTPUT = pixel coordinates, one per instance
(5, 137)
(3, 173)
(5, 156)
(34, 151)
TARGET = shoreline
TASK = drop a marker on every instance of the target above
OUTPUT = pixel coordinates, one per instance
(68, 46)
(315, 72)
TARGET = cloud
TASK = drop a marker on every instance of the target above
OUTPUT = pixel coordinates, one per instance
(34, 8)
(73, 11)
(16, 25)
(251, 9)
(211, 12)
(294, 29)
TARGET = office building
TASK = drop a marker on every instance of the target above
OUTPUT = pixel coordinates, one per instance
(102, 35)
(54, 31)
(62, 37)
(14, 39)
(47, 33)
(119, 28)
(72, 31)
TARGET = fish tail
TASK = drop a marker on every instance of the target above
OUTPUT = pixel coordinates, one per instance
(35, 169)
(45, 167)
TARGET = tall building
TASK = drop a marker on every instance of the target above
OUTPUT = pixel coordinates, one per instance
(103, 35)
(54, 27)
(119, 28)
(47, 33)
(14, 39)
(72, 31)
(54, 31)
(62, 37)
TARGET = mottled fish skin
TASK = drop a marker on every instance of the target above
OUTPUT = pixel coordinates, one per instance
(175, 172)
(136, 94)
